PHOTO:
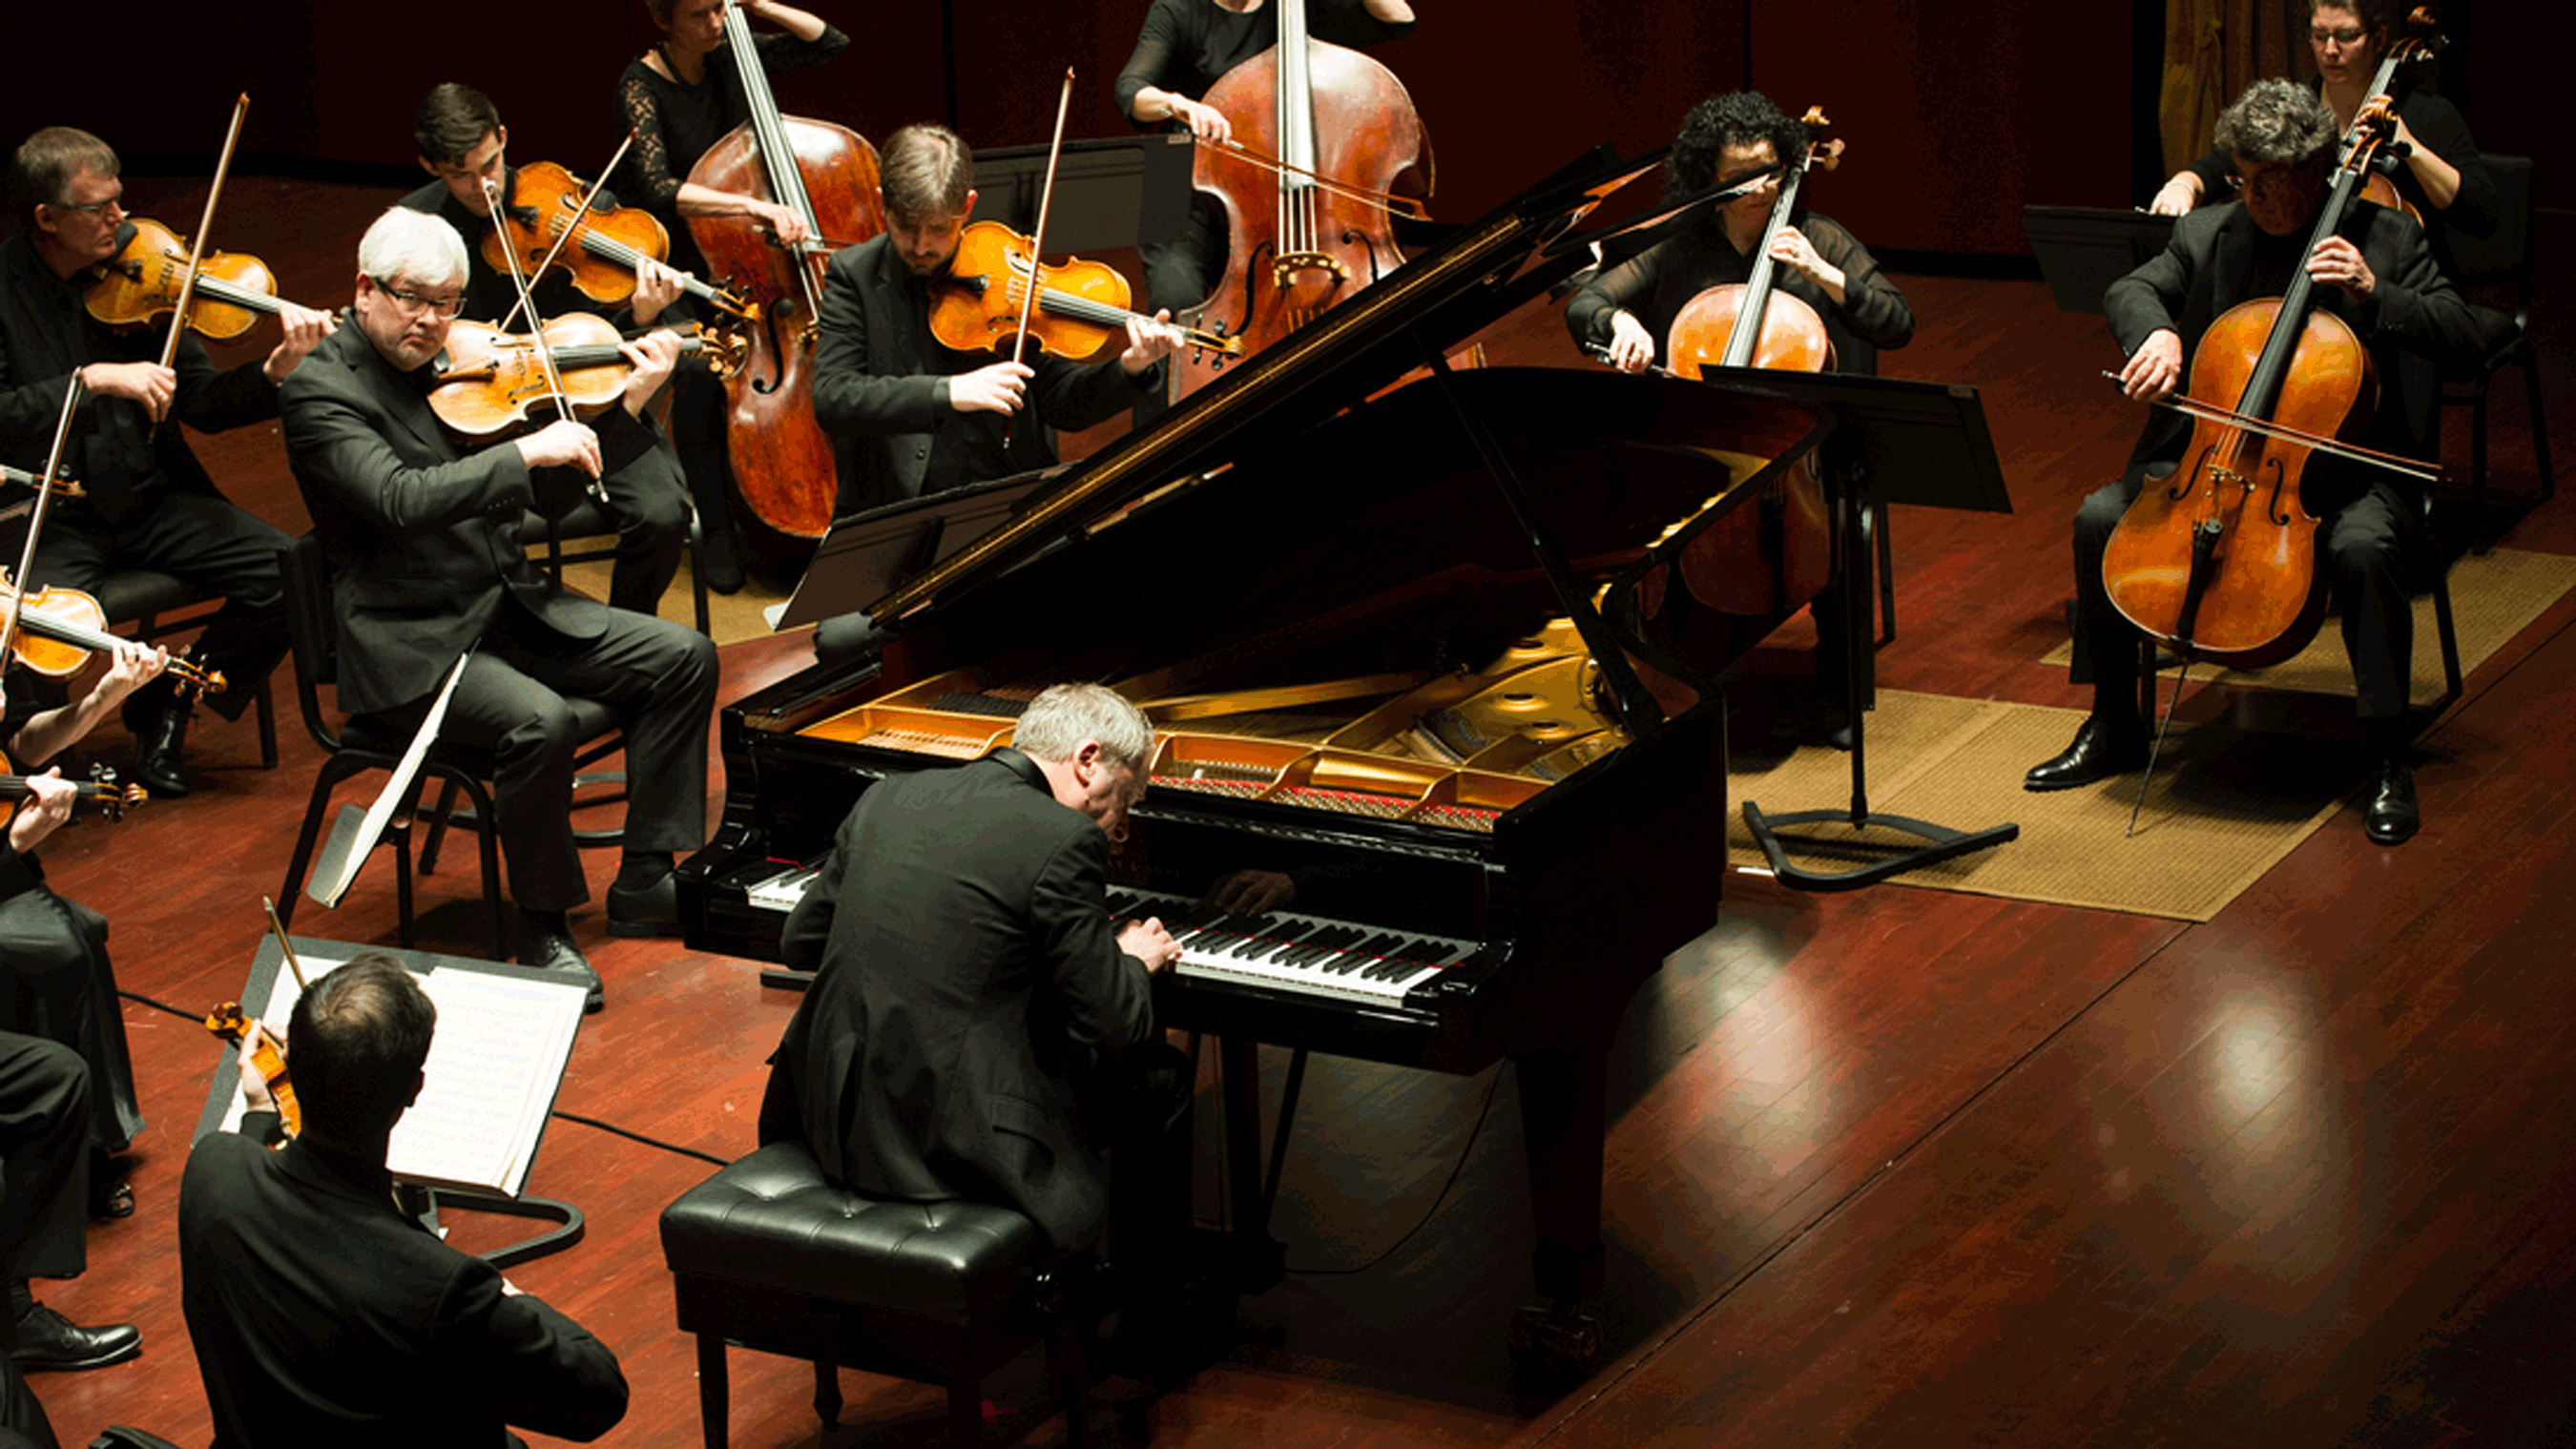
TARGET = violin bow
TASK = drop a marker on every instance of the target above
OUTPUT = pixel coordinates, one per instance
(277, 928)
(583, 210)
(1046, 202)
(205, 223)
(537, 332)
(36, 511)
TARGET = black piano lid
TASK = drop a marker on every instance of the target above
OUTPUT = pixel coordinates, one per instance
(1411, 315)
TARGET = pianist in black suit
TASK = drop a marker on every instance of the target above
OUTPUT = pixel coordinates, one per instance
(980, 1028)
(427, 562)
(915, 417)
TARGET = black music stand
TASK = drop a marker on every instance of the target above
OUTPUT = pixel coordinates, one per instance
(2082, 250)
(1936, 433)
(1120, 191)
(866, 556)
(262, 988)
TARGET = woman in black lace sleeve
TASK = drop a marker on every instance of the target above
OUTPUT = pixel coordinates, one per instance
(1183, 49)
(679, 99)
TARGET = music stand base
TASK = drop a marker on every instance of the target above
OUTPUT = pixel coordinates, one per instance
(1946, 844)
(567, 1231)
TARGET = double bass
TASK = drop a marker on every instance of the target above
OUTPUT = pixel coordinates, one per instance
(1324, 138)
(827, 176)
(1776, 555)
(2218, 560)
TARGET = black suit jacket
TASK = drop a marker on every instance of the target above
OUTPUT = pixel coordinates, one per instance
(881, 383)
(322, 1315)
(2208, 267)
(423, 534)
(117, 453)
(967, 962)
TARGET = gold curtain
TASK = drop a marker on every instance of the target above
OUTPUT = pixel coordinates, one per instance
(2214, 49)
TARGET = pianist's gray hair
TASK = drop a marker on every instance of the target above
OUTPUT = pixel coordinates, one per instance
(1056, 723)
(2279, 123)
(412, 246)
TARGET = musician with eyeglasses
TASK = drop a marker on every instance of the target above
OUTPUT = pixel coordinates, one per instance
(149, 503)
(423, 533)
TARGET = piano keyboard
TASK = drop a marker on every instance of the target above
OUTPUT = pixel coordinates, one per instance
(1290, 952)
(780, 892)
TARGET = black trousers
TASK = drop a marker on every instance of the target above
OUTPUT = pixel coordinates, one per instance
(648, 502)
(44, 1159)
(1138, 1106)
(198, 537)
(2362, 549)
(660, 677)
(56, 983)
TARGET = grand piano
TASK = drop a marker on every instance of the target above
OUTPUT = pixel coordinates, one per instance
(1422, 645)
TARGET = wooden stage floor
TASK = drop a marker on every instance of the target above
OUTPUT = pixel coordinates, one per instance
(1895, 1167)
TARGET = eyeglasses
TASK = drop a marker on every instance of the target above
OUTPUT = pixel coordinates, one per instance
(416, 304)
(2273, 178)
(2346, 35)
(114, 203)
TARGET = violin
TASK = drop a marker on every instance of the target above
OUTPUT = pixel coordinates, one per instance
(827, 174)
(1777, 554)
(1081, 306)
(59, 627)
(100, 790)
(599, 245)
(143, 281)
(1323, 138)
(229, 1025)
(489, 379)
(2218, 561)
(61, 487)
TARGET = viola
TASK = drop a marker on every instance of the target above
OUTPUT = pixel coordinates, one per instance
(782, 459)
(1324, 137)
(2419, 42)
(143, 280)
(2218, 561)
(1777, 553)
(1081, 306)
(489, 380)
(59, 627)
(599, 245)
(229, 1024)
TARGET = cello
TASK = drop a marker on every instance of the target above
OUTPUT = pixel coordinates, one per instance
(782, 460)
(1776, 555)
(2218, 560)
(1323, 137)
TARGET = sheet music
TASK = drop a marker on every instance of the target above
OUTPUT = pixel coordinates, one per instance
(501, 1046)
(397, 791)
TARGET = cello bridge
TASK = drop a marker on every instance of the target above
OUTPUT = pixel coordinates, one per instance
(1285, 267)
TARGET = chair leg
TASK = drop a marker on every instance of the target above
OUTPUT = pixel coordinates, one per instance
(2530, 364)
(827, 1393)
(1072, 1376)
(438, 826)
(1886, 571)
(713, 1408)
(401, 835)
(266, 705)
(2450, 636)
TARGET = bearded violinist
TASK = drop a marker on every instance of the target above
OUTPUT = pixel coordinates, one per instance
(423, 535)
(2378, 275)
(461, 139)
(1627, 311)
(917, 417)
(150, 504)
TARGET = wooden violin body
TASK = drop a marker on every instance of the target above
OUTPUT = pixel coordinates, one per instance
(232, 1026)
(598, 246)
(1295, 248)
(1081, 306)
(2218, 560)
(142, 282)
(782, 460)
(59, 627)
(491, 379)
(100, 790)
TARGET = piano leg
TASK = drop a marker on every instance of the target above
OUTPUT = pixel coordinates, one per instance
(1562, 1132)
(1259, 1260)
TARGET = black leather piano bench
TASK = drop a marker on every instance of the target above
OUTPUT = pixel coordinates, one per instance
(769, 1255)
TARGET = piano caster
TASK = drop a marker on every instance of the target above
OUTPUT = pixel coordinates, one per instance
(1559, 1340)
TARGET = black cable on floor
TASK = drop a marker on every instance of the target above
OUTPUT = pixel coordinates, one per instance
(1434, 1211)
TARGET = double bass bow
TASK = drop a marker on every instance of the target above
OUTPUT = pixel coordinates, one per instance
(1777, 554)
(1323, 139)
(827, 176)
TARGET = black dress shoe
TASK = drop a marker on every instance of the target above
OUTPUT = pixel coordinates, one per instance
(160, 741)
(719, 564)
(549, 948)
(2102, 749)
(2391, 817)
(44, 1339)
(652, 910)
